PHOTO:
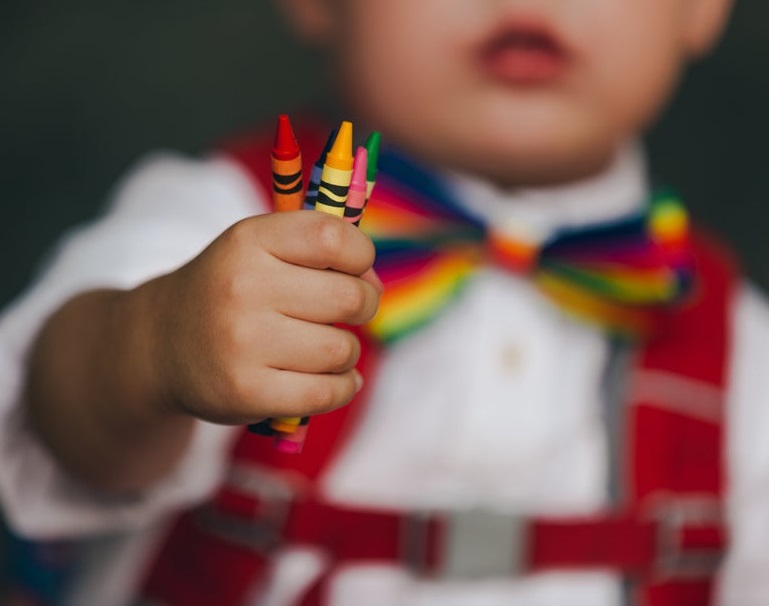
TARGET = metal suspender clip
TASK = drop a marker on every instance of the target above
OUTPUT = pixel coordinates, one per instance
(262, 530)
(465, 544)
(415, 542)
(691, 537)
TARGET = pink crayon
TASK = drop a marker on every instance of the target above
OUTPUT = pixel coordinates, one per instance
(356, 196)
(291, 443)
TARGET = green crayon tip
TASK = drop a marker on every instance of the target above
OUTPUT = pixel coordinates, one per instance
(372, 149)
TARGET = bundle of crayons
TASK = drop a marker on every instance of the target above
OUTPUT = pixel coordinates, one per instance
(340, 184)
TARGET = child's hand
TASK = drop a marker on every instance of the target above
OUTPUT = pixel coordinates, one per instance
(244, 330)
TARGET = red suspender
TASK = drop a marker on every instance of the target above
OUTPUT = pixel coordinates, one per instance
(676, 452)
(665, 536)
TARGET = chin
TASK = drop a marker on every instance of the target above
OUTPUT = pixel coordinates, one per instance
(535, 163)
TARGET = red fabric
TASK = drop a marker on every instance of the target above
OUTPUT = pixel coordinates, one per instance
(196, 569)
(676, 454)
(671, 454)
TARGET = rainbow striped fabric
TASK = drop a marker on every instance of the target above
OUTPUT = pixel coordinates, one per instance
(619, 274)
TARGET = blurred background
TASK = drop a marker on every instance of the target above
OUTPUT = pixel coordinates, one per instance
(88, 87)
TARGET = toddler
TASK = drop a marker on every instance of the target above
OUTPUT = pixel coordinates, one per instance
(508, 444)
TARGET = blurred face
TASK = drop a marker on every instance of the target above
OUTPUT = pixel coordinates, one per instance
(519, 91)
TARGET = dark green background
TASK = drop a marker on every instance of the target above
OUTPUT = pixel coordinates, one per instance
(87, 87)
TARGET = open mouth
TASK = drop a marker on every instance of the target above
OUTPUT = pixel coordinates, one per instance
(524, 54)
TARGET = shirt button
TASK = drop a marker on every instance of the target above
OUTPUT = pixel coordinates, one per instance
(510, 358)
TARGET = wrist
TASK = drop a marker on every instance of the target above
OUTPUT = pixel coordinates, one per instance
(148, 356)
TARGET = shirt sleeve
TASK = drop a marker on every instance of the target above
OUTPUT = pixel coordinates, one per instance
(162, 214)
(744, 579)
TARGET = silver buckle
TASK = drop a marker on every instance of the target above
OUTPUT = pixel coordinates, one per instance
(673, 517)
(473, 544)
(414, 542)
(263, 532)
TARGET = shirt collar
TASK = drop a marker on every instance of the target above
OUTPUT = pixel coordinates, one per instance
(535, 213)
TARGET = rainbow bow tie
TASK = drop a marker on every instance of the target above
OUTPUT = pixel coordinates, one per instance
(620, 274)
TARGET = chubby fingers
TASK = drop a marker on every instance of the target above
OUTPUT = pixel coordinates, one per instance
(317, 240)
(301, 394)
(306, 369)
(320, 267)
(324, 296)
(309, 347)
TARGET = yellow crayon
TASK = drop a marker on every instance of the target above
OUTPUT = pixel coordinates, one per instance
(285, 424)
(337, 173)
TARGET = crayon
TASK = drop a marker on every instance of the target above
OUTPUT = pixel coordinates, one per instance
(285, 424)
(317, 169)
(291, 443)
(287, 195)
(262, 428)
(286, 160)
(372, 147)
(337, 172)
(356, 197)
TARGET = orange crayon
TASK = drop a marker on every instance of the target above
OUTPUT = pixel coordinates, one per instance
(286, 156)
(287, 195)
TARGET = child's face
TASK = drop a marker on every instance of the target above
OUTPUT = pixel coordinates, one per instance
(520, 91)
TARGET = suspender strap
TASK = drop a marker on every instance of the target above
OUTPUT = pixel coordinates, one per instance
(624, 543)
(676, 439)
(185, 575)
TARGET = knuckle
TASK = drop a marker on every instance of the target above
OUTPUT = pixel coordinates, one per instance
(238, 389)
(342, 352)
(238, 234)
(229, 337)
(322, 397)
(329, 235)
(229, 287)
(351, 298)
(325, 398)
(330, 393)
(241, 385)
(368, 252)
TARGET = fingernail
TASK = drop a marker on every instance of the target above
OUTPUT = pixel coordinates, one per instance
(358, 380)
(378, 283)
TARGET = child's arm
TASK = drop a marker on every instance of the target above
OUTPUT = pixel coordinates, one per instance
(240, 333)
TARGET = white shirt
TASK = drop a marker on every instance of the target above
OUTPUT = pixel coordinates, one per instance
(477, 387)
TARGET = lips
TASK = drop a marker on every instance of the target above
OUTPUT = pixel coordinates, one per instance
(524, 54)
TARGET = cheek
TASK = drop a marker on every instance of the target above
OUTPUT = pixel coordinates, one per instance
(402, 71)
(633, 69)
(391, 92)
